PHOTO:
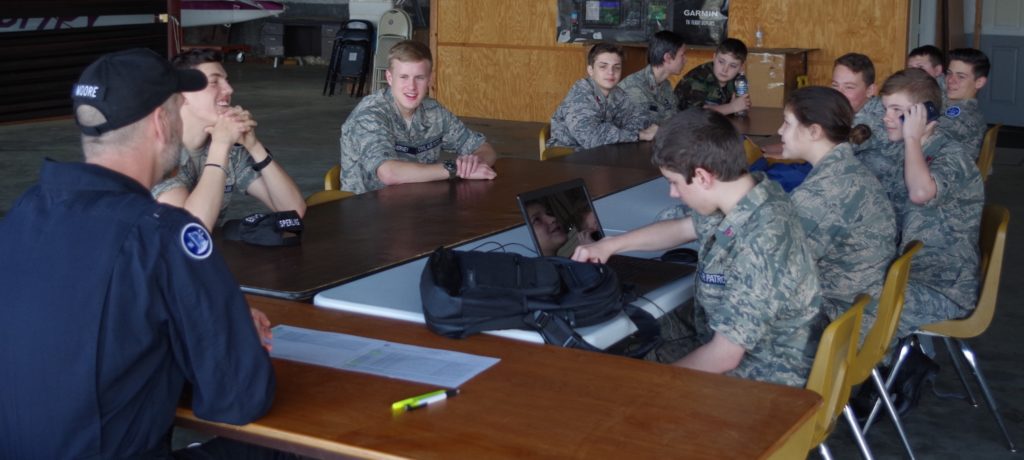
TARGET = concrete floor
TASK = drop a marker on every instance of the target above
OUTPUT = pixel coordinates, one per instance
(301, 127)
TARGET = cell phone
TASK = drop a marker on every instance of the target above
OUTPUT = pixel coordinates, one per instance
(931, 110)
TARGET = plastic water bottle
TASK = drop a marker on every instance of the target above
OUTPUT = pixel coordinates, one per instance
(759, 37)
(741, 89)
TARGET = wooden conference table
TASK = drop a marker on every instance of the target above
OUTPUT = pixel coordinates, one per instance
(538, 401)
(758, 122)
(634, 155)
(363, 234)
(344, 240)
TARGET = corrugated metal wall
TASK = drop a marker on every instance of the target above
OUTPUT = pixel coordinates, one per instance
(38, 67)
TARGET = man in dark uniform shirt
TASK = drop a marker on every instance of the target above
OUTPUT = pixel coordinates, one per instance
(112, 302)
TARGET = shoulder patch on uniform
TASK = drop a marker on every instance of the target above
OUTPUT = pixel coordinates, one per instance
(953, 112)
(196, 241)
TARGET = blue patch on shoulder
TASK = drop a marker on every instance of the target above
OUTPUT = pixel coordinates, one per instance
(196, 241)
(712, 278)
(953, 112)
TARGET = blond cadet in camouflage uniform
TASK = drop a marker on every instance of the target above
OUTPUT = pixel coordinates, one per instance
(756, 282)
(649, 88)
(939, 202)
(596, 111)
(395, 135)
(849, 221)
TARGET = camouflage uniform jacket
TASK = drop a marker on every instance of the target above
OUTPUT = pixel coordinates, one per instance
(871, 115)
(941, 80)
(657, 98)
(240, 174)
(375, 132)
(965, 124)
(948, 225)
(586, 118)
(700, 86)
(850, 227)
(758, 286)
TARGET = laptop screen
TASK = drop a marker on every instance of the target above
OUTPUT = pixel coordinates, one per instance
(560, 217)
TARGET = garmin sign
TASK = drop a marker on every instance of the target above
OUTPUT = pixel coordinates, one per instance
(700, 22)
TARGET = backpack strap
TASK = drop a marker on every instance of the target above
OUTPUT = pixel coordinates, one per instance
(648, 332)
(557, 331)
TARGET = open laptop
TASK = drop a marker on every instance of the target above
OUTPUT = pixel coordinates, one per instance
(560, 217)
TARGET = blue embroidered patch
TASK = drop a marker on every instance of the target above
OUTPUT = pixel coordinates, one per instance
(953, 112)
(196, 241)
(712, 278)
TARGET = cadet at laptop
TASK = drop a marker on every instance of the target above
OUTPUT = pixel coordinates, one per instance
(756, 281)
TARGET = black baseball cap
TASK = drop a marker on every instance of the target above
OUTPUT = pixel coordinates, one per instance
(274, 229)
(128, 85)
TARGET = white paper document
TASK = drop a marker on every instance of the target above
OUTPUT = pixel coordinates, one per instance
(443, 368)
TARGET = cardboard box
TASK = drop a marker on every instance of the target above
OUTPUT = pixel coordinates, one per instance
(772, 74)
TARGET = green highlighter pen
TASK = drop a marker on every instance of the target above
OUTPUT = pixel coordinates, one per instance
(417, 402)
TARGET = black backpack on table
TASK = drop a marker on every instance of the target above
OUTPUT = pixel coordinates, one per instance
(466, 292)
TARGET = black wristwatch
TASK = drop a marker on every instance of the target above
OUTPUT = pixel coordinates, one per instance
(449, 165)
(263, 164)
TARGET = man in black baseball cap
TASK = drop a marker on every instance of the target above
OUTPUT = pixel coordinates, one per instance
(126, 86)
(112, 301)
(127, 96)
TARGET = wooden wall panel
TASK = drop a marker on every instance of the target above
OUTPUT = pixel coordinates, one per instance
(497, 22)
(475, 81)
(499, 59)
(877, 28)
(506, 83)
